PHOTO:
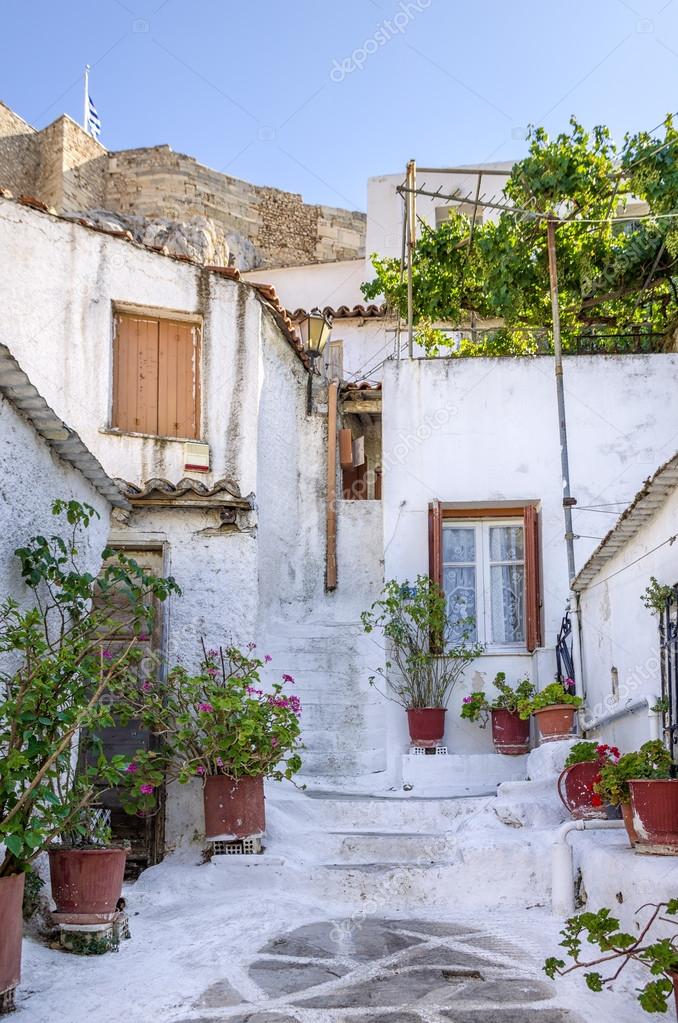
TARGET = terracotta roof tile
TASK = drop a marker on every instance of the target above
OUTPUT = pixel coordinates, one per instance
(345, 312)
(162, 491)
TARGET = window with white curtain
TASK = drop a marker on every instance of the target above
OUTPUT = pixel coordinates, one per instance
(483, 575)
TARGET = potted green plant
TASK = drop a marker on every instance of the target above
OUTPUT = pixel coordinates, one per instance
(582, 769)
(56, 691)
(429, 652)
(218, 724)
(510, 733)
(617, 949)
(613, 785)
(554, 708)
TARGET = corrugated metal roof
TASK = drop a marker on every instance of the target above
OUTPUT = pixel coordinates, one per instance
(17, 388)
(649, 498)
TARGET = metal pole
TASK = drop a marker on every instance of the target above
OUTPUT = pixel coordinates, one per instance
(411, 241)
(85, 112)
(562, 424)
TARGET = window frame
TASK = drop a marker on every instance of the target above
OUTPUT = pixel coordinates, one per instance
(527, 513)
(195, 320)
(483, 576)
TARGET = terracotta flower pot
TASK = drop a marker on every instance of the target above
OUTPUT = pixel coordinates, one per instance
(233, 808)
(86, 881)
(555, 722)
(510, 734)
(426, 725)
(575, 788)
(655, 815)
(11, 933)
(627, 816)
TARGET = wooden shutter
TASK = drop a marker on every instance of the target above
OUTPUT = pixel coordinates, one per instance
(435, 542)
(435, 558)
(532, 584)
(156, 377)
(135, 375)
(178, 386)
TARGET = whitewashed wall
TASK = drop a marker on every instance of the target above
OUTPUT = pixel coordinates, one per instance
(317, 284)
(31, 477)
(617, 631)
(486, 430)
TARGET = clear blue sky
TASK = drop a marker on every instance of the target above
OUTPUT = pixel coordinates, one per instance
(314, 96)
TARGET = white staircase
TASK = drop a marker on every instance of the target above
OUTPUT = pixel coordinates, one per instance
(341, 714)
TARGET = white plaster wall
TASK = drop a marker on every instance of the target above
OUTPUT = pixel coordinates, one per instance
(31, 477)
(64, 339)
(385, 206)
(486, 430)
(318, 284)
(618, 631)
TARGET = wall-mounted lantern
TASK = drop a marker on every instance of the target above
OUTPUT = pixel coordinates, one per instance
(315, 329)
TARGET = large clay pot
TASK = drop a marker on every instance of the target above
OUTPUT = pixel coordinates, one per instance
(234, 808)
(426, 725)
(86, 881)
(510, 734)
(575, 788)
(627, 816)
(555, 722)
(655, 815)
(11, 933)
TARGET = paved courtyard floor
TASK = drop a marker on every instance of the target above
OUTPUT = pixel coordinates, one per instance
(386, 971)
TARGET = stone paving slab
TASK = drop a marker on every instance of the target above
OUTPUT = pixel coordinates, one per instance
(388, 971)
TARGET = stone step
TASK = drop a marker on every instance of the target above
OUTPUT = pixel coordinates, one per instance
(422, 848)
(350, 811)
(342, 764)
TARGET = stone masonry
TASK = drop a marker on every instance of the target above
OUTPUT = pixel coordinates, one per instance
(257, 226)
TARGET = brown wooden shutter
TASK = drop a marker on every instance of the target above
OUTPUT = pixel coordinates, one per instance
(532, 585)
(178, 384)
(435, 558)
(135, 376)
(435, 542)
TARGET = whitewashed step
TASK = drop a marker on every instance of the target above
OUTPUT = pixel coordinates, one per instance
(422, 848)
(331, 811)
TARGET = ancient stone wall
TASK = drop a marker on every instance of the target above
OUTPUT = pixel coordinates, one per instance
(258, 226)
(18, 153)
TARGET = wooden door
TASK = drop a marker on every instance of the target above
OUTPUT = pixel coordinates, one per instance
(145, 835)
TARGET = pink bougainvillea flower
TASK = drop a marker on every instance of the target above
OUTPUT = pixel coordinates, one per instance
(146, 789)
(132, 767)
(200, 770)
(267, 658)
(288, 678)
(205, 708)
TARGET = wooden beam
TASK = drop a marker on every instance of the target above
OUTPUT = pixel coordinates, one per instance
(331, 511)
(362, 405)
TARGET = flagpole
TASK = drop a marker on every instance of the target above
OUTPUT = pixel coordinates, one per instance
(85, 119)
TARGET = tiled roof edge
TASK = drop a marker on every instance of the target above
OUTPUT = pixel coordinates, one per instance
(649, 498)
(17, 388)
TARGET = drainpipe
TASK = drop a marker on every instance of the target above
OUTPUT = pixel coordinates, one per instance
(562, 863)
(654, 716)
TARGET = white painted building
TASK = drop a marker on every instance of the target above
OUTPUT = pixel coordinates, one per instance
(625, 666)
(364, 335)
(41, 459)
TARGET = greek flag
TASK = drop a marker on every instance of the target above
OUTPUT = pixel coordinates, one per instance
(93, 122)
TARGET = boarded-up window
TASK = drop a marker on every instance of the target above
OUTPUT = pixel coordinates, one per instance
(156, 376)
